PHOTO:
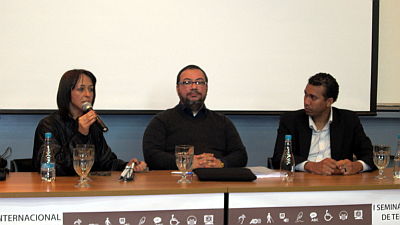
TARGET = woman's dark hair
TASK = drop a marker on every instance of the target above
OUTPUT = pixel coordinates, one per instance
(67, 84)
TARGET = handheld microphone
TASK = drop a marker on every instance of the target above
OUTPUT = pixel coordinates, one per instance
(86, 108)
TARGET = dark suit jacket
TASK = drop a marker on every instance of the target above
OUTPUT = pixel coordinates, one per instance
(346, 133)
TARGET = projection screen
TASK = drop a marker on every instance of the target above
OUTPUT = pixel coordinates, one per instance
(258, 54)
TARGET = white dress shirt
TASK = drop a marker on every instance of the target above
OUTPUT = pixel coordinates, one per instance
(320, 147)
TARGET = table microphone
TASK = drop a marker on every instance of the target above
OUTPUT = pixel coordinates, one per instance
(86, 108)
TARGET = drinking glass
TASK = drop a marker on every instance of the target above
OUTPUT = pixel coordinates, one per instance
(381, 159)
(184, 159)
(83, 162)
(89, 147)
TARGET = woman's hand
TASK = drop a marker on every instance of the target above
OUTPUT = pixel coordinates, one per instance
(139, 166)
(85, 121)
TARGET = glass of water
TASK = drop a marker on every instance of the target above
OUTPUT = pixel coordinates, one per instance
(83, 162)
(381, 159)
(89, 147)
(184, 159)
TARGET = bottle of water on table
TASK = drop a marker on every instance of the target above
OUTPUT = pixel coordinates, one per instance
(287, 167)
(47, 163)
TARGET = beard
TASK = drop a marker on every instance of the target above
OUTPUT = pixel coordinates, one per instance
(195, 105)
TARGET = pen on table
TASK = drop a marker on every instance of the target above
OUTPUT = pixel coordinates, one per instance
(178, 172)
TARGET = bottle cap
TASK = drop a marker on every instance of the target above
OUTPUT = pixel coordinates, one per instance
(288, 137)
(47, 135)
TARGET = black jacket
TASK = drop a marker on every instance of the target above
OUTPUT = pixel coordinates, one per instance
(65, 137)
(346, 133)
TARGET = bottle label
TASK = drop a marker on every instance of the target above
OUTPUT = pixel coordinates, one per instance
(47, 165)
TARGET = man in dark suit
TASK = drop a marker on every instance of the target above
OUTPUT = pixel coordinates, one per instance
(324, 138)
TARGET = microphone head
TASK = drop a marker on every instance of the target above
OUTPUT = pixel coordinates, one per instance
(86, 106)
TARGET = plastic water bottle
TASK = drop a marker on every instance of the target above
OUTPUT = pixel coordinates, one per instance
(287, 168)
(396, 160)
(47, 164)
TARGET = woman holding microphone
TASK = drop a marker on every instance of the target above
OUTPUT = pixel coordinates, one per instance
(71, 126)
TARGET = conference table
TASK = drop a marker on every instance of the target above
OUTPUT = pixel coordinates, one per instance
(154, 197)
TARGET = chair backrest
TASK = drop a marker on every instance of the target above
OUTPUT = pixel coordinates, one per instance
(21, 165)
(391, 161)
(269, 163)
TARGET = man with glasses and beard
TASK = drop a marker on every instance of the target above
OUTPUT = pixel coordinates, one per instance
(216, 141)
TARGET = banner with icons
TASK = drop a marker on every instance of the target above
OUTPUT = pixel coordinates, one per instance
(190, 209)
(323, 207)
(313, 207)
(164, 217)
(332, 214)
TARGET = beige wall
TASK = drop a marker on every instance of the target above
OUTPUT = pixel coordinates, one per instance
(389, 52)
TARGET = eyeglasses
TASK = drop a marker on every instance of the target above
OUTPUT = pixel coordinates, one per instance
(189, 83)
